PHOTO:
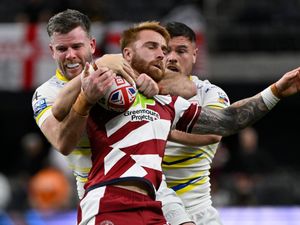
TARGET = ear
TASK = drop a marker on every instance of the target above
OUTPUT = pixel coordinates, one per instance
(195, 52)
(127, 54)
(93, 45)
(52, 50)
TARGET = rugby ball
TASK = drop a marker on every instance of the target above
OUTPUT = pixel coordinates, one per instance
(120, 96)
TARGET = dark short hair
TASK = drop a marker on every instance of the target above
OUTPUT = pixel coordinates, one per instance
(177, 29)
(65, 21)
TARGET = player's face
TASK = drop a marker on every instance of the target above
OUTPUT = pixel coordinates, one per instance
(148, 54)
(181, 56)
(71, 51)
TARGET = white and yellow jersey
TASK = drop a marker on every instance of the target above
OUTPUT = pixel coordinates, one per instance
(187, 167)
(79, 159)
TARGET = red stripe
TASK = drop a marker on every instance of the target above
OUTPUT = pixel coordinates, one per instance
(113, 38)
(189, 118)
(28, 66)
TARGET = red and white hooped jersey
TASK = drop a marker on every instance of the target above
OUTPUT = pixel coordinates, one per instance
(130, 145)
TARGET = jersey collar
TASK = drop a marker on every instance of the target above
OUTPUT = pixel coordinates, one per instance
(60, 76)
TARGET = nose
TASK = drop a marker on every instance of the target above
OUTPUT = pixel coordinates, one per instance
(160, 54)
(171, 57)
(70, 54)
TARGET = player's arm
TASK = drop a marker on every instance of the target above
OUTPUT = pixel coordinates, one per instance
(247, 111)
(193, 139)
(212, 96)
(64, 135)
(63, 103)
(119, 65)
(177, 84)
(68, 95)
(172, 205)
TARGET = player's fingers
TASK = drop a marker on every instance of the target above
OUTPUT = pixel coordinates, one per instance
(105, 81)
(140, 80)
(85, 71)
(107, 75)
(129, 74)
(95, 67)
(100, 71)
(151, 89)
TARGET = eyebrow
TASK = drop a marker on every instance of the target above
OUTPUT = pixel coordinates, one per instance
(181, 46)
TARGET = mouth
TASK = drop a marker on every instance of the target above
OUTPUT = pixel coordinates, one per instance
(158, 66)
(173, 68)
(72, 65)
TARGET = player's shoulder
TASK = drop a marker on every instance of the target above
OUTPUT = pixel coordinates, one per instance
(50, 87)
(53, 82)
(205, 85)
(210, 94)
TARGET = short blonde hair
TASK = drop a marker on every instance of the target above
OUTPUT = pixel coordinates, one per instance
(130, 35)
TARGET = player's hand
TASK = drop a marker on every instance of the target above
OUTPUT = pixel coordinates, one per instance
(289, 84)
(174, 83)
(147, 85)
(119, 65)
(95, 83)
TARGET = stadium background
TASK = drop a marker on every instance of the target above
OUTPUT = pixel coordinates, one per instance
(244, 46)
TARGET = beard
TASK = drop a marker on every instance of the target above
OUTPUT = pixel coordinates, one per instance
(149, 68)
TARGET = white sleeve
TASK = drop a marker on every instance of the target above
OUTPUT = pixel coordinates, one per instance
(211, 95)
(42, 101)
(172, 206)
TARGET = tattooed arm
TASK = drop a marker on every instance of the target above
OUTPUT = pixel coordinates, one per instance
(232, 119)
(247, 111)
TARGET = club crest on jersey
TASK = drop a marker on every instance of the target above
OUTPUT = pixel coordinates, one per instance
(223, 98)
(106, 222)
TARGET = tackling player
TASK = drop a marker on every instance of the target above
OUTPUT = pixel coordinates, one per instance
(186, 167)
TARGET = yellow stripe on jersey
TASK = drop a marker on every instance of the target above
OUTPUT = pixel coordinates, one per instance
(181, 164)
(185, 185)
(60, 76)
(80, 169)
(41, 113)
(81, 179)
(192, 186)
(82, 151)
(185, 159)
(216, 106)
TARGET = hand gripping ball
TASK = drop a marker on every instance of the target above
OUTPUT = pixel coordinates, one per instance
(120, 96)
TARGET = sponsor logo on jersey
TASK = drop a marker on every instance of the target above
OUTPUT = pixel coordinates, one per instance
(140, 112)
(223, 98)
(142, 115)
(39, 106)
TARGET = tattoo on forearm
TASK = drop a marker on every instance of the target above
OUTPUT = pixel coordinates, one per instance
(232, 119)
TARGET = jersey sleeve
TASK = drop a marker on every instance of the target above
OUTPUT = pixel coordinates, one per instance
(212, 95)
(186, 114)
(42, 101)
(172, 205)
